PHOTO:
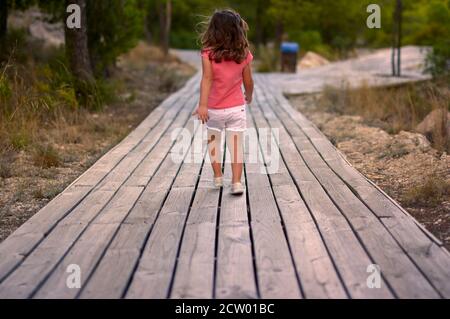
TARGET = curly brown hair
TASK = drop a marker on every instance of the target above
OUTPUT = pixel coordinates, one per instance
(226, 37)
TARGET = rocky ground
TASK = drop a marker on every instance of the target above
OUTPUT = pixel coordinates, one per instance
(25, 186)
(404, 165)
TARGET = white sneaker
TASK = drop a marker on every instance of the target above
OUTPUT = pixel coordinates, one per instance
(218, 182)
(237, 189)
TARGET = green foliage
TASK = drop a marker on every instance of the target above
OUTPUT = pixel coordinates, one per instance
(15, 38)
(5, 89)
(437, 34)
(114, 27)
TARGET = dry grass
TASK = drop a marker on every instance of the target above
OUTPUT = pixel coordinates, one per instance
(143, 53)
(392, 109)
(431, 192)
(46, 156)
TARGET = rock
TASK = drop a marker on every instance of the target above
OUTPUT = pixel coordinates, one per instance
(437, 121)
(410, 141)
(51, 34)
(38, 25)
(312, 60)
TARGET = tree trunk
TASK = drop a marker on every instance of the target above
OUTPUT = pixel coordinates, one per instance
(394, 42)
(399, 36)
(143, 6)
(77, 46)
(147, 33)
(258, 25)
(397, 39)
(3, 18)
(165, 22)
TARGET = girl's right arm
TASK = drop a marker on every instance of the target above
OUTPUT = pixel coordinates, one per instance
(248, 83)
(205, 89)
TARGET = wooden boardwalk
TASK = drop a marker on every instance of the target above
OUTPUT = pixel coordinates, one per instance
(140, 225)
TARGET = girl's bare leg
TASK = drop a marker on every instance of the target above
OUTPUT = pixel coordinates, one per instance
(215, 151)
(235, 143)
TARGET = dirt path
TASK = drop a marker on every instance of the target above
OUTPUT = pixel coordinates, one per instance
(403, 165)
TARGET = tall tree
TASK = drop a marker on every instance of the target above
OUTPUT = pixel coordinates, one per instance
(77, 46)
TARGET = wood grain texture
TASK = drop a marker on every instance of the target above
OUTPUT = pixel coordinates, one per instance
(318, 277)
(403, 276)
(194, 275)
(235, 274)
(274, 263)
(412, 237)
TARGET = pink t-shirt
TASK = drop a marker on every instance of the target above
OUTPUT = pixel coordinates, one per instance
(226, 89)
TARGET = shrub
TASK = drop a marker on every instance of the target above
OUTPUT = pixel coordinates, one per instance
(268, 59)
(20, 139)
(45, 156)
(432, 192)
(169, 79)
(5, 169)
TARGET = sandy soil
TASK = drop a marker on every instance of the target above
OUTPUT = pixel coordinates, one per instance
(404, 165)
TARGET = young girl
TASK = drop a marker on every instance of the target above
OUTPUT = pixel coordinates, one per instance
(226, 63)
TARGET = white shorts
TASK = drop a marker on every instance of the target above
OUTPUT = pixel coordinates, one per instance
(230, 119)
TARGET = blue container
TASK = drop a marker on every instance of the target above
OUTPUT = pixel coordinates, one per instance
(290, 47)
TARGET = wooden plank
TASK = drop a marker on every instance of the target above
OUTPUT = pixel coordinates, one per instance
(349, 256)
(314, 266)
(399, 271)
(194, 274)
(274, 264)
(115, 269)
(154, 272)
(23, 282)
(235, 273)
(174, 118)
(110, 160)
(412, 238)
